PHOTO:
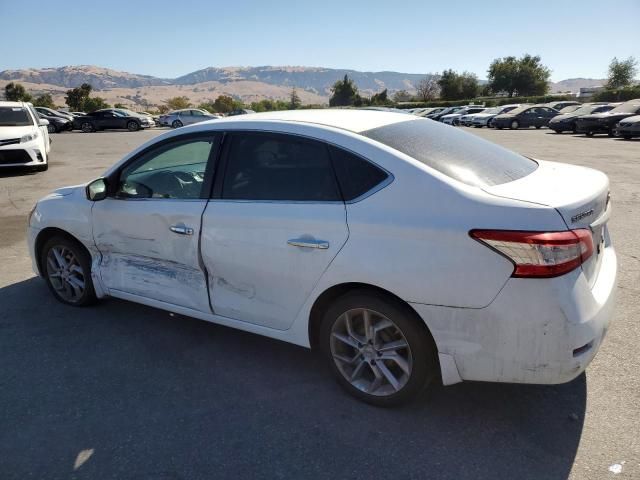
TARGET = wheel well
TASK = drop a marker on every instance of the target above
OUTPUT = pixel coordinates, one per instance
(328, 296)
(50, 232)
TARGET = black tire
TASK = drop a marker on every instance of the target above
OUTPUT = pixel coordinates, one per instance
(83, 259)
(87, 127)
(133, 126)
(589, 133)
(538, 127)
(51, 128)
(514, 125)
(421, 345)
(176, 124)
(627, 137)
(556, 131)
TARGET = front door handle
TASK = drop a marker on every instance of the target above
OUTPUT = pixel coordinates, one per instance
(308, 243)
(181, 230)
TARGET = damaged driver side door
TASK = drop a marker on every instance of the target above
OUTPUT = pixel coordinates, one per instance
(148, 228)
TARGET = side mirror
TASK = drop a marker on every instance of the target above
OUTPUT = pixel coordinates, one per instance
(43, 123)
(97, 190)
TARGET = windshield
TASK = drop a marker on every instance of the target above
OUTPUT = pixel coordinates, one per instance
(583, 110)
(570, 108)
(515, 111)
(462, 156)
(14, 117)
(631, 106)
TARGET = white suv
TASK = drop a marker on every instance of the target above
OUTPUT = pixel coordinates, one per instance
(24, 139)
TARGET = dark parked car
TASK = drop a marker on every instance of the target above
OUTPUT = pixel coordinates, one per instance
(629, 127)
(567, 121)
(605, 122)
(56, 124)
(559, 105)
(524, 117)
(442, 113)
(53, 113)
(240, 111)
(111, 119)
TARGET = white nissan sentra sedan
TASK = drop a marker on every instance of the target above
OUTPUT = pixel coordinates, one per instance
(403, 249)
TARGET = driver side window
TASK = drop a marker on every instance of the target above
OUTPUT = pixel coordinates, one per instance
(175, 170)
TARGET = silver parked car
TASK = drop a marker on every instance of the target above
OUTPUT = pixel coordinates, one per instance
(178, 118)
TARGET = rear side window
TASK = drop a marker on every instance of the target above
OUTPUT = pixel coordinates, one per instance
(278, 167)
(462, 156)
(356, 175)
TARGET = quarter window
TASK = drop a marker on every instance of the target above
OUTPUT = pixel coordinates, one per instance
(356, 175)
(175, 170)
(278, 167)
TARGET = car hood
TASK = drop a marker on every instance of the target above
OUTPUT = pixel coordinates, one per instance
(15, 132)
(66, 191)
(563, 117)
(597, 116)
(634, 119)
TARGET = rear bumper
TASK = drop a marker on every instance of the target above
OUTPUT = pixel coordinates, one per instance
(543, 331)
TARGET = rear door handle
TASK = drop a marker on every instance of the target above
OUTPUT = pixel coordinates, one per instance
(308, 243)
(181, 230)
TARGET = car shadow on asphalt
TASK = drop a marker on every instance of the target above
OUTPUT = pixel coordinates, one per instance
(124, 391)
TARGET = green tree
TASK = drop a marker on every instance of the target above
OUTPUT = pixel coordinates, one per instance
(119, 105)
(468, 85)
(344, 92)
(77, 96)
(525, 76)
(178, 103)
(294, 100)
(225, 104)
(15, 92)
(622, 72)
(91, 104)
(44, 100)
(401, 96)
(162, 109)
(450, 85)
(380, 98)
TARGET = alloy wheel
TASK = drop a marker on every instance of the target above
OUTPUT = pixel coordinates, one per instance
(371, 352)
(65, 273)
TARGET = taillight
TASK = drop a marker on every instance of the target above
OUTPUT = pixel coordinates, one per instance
(539, 254)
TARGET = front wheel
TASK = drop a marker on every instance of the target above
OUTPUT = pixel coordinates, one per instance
(87, 127)
(66, 267)
(176, 124)
(378, 349)
(514, 125)
(557, 131)
(51, 128)
(589, 133)
(133, 126)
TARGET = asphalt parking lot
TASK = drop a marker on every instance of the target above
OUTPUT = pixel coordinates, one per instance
(122, 391)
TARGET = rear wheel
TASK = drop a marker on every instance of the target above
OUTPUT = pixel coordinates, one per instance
(538, 127)
(589, 133)
(176, 124)
(51, 128)
(66, 267)
(557, 131)
(514, 125)
(377, 348)
(87, 127)
(133, 126)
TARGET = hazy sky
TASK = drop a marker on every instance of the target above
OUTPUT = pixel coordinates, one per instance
(172, 38)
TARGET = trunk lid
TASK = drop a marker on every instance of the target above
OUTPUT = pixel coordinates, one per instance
(579, 194)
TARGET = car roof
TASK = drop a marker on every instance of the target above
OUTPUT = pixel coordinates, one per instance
(346, 119)
(13, 104)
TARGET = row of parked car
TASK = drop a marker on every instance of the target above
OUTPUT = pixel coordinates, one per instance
(614, 119)
(121, 118)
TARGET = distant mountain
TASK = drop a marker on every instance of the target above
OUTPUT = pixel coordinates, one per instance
(312, 79)
(74, 76)
(575, 84)
(244, 83)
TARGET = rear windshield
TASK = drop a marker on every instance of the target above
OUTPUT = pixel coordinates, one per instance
(460, 155)
(627, 107)
(14, 117)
